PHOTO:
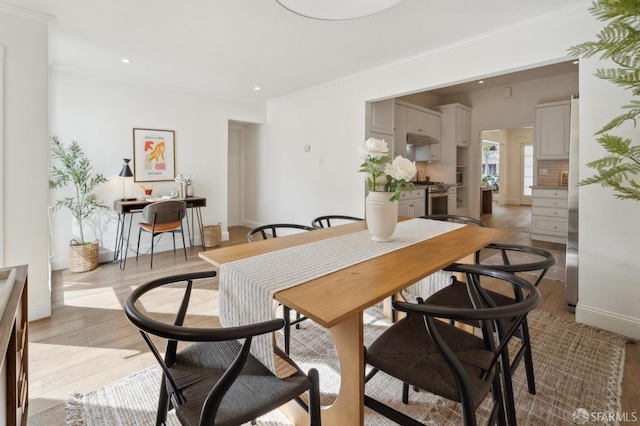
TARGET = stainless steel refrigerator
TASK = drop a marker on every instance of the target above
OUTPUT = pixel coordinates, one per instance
(571, 280)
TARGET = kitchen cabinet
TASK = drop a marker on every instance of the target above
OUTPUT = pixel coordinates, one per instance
(381, 116)
(455, 146)
(553, 121)
(549, 212)
(452, 200)
(14, 340)
(399, 131)
(423, 123)
(412, 203)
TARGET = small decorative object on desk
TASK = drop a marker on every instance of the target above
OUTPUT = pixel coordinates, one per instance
(147, 189)
(385, 182)
(186, 185)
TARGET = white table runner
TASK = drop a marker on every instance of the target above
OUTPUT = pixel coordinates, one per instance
(247, 286)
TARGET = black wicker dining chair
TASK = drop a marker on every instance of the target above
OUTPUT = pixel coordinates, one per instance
(214, 380)
(325, 221)
(271, 231)
(445, 360)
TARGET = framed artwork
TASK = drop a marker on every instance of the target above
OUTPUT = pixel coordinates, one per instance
(564, 178)
(154, 155)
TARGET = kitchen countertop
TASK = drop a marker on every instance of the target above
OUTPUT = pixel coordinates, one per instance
(548, 187)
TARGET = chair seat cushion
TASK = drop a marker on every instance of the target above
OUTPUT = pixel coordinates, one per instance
(199, 367)
(456, 296)
(406, 351)
(161, 227)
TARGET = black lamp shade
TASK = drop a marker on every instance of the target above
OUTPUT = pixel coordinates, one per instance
(491, 148)
(126, 170)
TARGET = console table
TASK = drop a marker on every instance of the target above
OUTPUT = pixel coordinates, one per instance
(124, 208)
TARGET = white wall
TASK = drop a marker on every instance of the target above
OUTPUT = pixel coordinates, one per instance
(26, 153)
(297, 186)
(101, 113)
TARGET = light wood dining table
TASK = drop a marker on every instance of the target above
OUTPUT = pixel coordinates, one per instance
(337, 300)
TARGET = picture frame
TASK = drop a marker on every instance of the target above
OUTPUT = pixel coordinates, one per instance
(154, 155)
(564, 178)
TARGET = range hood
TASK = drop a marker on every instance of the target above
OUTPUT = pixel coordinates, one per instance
(418, 139)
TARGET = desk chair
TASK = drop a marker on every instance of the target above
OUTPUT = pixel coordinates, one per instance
(215, 380)
(325, 221)
(438, 357)
(271, 231)
(163, 217)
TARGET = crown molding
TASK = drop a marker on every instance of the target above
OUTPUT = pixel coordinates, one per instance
(25, 13)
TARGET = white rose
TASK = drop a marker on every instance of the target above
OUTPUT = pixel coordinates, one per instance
(401, 169)
(374, 148)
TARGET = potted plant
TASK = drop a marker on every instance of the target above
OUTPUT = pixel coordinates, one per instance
(618, 41)
(74, 168)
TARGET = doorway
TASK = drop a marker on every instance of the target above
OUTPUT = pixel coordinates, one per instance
(507, 164)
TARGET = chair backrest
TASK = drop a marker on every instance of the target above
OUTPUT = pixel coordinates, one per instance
(175, 332)
(325, 221)
(166, 211)
(517, 258)
(271, 231)
(455, 218)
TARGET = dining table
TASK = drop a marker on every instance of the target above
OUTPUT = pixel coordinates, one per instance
(337, 300)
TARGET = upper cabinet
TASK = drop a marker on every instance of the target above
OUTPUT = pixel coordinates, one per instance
(423, 123)
(552, 130)
(400, 131)
(463, 126)
(381, 116)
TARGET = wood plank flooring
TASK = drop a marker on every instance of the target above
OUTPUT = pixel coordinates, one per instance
(88, 343)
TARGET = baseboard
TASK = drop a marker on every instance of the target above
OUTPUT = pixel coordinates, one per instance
(621, 324)
(39, 310)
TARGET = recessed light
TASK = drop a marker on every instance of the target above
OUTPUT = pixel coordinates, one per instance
(126, 61)
(256, 88)
(575, 62)
(481, 81)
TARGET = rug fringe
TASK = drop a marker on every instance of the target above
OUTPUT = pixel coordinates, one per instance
(75, 411)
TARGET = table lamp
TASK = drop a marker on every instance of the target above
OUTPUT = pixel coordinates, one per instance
(125, 173)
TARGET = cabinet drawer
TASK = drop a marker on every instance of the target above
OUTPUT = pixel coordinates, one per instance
(549, 193)
(412, 195)
(549, 225)
(549, 211)
(549, 202)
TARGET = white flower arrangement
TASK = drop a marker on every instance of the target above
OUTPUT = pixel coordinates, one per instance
(383, 176)
(187, 180)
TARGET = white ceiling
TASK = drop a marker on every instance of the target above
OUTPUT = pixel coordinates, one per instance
(227, 47)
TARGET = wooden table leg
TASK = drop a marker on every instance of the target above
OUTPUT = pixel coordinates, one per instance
(348, 408)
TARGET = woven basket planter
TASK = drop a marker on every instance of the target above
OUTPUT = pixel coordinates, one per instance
(83, 257)
(212, 235)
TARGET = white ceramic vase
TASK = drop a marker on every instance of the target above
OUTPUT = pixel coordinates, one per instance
(381, 215)
(188, 190)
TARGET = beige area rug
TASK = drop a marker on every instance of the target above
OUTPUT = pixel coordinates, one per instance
(555, 272)
(576, 367)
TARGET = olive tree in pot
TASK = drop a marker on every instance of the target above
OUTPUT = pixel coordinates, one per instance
(73, 168)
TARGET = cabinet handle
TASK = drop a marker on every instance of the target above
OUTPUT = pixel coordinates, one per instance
(555, 203)
(555, 193)
(555, 227)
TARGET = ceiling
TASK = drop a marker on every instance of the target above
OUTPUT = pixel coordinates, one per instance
(228, 47)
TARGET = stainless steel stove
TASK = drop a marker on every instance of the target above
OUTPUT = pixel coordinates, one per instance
(436, 196)
(435, 187)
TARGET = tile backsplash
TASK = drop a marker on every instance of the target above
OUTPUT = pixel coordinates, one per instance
(554, 170)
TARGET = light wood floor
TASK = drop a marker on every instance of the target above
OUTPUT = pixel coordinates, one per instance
(88, 343)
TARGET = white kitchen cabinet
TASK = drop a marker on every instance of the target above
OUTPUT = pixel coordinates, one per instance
(400, 131)
(552, 130)
(452, 201)
(463, 126)
(549, 211)
(381, 116)
(421, 122)
(412, 203)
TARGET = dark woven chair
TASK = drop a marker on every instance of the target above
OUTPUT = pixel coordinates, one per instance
(537, 261)
(215, 380)
(438, 357)
(325, 221)
(271, 231)
(160, 218)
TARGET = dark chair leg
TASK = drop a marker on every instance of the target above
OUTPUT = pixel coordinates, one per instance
(173, 236)
(405, 393)
(138, 247)
(153, 238)
(314, 398)
(163, 404)
(507, 387)
(184, 246)
(286, 315)
(298, 319)
(528, 358)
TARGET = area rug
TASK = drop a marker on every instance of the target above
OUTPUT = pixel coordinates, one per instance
(556, 272)
(576, 367)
